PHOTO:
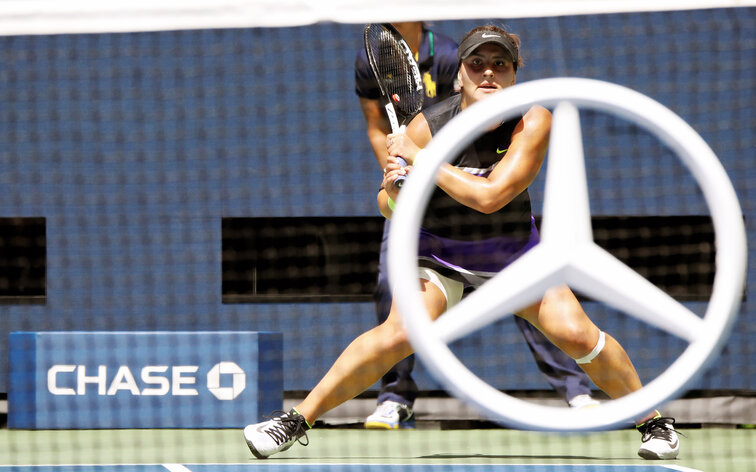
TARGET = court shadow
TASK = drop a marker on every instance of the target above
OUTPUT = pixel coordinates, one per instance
(522, 456)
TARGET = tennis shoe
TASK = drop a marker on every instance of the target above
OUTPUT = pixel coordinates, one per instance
(659, 439)
(584, 401)
(391, 415)
(277, 434)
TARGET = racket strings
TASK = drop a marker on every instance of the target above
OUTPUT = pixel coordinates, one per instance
(395, 72)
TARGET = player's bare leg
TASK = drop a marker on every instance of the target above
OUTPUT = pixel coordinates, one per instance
(367, 359)
(361, 364)
(561, 318)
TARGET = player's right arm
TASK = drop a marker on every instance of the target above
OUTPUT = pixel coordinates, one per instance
(377, 127)
(407, 145)
(389, 192)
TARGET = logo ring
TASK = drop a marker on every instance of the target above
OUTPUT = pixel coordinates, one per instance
(705, 336)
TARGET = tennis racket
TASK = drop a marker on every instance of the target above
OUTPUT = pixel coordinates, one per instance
(397, 74)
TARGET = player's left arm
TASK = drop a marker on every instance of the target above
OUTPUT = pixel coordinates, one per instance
(407, 145)
(512, 175)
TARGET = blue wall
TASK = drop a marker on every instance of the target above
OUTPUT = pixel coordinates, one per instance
(133, 146)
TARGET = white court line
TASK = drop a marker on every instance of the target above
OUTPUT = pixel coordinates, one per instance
(177, 468)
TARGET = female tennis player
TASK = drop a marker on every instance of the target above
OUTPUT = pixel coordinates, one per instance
(438, 63)
(477, 222)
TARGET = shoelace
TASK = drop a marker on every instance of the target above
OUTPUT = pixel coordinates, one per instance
(285, 426)
(658, 428)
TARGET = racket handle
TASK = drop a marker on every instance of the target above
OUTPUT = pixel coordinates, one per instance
(400, 180)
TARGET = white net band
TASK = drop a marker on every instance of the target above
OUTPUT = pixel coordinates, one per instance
(21, 17)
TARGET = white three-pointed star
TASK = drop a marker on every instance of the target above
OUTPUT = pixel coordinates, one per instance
(567, 255)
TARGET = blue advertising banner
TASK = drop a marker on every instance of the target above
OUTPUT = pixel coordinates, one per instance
(163, 379)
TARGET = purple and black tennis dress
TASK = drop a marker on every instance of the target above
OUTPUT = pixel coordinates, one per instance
(462, 243)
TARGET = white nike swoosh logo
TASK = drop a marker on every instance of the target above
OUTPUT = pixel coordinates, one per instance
(490, 36)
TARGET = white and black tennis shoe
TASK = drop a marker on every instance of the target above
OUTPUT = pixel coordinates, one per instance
(659, 438)
(277, 434)
(391, 415)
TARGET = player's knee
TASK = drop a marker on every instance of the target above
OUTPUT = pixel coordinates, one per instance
(394, 335)
(573, 339)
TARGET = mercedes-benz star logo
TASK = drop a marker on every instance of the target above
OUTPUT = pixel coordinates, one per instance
(568, 255)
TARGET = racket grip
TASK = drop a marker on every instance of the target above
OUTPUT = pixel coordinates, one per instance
(400, 180)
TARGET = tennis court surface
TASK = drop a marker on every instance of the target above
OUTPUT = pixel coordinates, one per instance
(189, 232)
(357, 467)
(341, 449)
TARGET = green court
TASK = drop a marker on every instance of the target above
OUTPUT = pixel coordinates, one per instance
(708, 449)
(190, 234)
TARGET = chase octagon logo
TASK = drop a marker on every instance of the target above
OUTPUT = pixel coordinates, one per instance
(238, 384)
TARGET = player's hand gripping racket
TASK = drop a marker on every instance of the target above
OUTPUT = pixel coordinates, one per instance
(397, 74)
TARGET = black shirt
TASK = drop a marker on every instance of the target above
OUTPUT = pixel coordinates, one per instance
(448, 218)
